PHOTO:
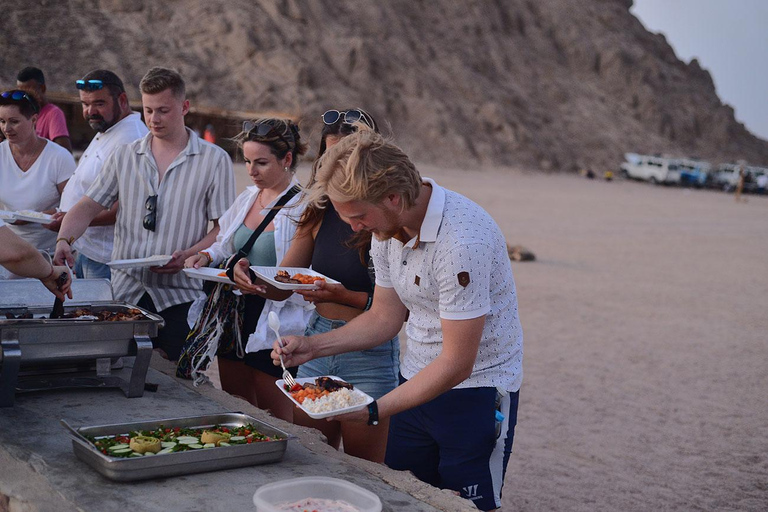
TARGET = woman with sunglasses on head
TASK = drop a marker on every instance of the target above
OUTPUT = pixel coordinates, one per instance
(270, 148)
(329, 245)
(33, 170)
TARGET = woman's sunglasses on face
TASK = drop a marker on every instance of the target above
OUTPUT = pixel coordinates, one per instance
(349, 117)
(262, 130)
(19, 96)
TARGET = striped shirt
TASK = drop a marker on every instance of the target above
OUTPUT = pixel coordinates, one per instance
(198, 187)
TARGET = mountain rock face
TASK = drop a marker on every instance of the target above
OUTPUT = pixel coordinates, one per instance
(548, 84)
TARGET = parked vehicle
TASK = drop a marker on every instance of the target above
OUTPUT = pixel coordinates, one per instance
(726, 176)
(693, 172)
(655, 169)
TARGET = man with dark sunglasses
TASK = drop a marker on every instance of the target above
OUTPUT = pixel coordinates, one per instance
(51, 123)
(171, 185)
(106, 108)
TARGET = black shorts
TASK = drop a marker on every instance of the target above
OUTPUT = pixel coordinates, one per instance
(259, 360)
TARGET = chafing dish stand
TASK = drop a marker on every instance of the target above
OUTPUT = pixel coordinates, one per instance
(39, 353)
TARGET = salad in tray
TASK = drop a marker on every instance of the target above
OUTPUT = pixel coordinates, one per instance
(165, 440)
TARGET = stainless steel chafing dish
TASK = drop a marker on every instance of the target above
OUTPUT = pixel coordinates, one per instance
(179, 463)
(39, 353)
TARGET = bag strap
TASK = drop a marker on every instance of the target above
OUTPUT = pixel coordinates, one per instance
(246, 248)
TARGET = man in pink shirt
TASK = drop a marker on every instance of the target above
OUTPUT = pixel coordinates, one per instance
(51, 123)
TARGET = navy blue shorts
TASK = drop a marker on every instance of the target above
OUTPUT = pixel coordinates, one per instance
(451, 442)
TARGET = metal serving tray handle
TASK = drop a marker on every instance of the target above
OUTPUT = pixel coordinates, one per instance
(178, 463)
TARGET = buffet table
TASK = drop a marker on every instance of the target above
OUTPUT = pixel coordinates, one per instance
(39, 470)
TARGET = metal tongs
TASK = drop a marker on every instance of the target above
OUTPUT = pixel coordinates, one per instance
(58, 304)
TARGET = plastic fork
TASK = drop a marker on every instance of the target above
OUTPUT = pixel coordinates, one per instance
(274, 323)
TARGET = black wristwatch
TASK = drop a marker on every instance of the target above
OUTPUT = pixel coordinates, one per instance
(373, 413)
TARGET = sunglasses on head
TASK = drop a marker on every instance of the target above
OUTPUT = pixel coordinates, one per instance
(19, 96)
(91, 85)
(262, 130)
(150, 219)
(349, 117)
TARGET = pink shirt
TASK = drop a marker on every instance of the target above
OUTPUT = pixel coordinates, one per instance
(51, 122)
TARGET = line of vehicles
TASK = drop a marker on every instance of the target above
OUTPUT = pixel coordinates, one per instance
(691, 172)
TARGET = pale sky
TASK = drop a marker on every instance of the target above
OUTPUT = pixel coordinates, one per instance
(730, 40)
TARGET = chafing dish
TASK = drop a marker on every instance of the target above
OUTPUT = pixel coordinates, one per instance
(178, 463)
(39, 353)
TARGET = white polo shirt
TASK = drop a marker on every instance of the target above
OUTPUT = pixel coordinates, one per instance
(456, 269)
(96, 242)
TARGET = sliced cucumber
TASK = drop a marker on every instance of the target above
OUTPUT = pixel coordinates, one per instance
(224, 444)
(122, 451)
(209, 445)
(116, 447)
(134, 454)
(146, 454)
(237, 438)
(168, 444)
(191, 441)
(195, 446)
(165, 450)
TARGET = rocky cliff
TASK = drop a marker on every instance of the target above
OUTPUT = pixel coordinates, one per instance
(550, 84)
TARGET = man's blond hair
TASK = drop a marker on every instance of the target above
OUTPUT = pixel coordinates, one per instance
(364, 166)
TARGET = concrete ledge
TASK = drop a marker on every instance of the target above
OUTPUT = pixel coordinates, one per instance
(314, 441)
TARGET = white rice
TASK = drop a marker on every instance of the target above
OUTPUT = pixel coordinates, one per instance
(339, 399)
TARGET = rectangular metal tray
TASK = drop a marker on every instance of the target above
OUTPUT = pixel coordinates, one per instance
(179, 463)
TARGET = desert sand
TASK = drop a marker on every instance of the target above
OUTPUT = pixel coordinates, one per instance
(645, 321)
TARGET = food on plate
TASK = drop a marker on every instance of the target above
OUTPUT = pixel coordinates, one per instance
(144, 444)
(326, 395)
(318, 505)
(283, 276)
(222, 274)
(177, 439)
(214, 437)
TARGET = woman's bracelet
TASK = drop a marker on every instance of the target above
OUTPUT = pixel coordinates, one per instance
(204, 253)
(69, 240)
(370, 301)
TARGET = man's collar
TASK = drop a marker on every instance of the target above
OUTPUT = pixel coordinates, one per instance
(193, 144)
(114, 126)
(433, 217)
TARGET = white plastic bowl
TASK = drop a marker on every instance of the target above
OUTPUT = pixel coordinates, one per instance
(268, 496)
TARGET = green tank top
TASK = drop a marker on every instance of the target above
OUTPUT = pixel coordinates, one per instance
(263, 250)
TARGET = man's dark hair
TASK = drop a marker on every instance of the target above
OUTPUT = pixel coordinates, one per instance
(31, 73)
(110, 80)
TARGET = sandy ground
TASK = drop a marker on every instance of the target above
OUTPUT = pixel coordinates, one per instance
(646, 342)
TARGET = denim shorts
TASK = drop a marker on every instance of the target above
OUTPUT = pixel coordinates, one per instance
(374, 371)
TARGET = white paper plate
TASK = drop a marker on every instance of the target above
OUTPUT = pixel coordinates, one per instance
(208, 274)
(30, 216)
(152, 261)
(7, 215)
(268, 274)
(320, 415)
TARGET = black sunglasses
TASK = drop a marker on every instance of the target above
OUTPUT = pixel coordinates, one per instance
(19, 96)
(150, 219)
(349, 117)
(92, 85)
(262, 130)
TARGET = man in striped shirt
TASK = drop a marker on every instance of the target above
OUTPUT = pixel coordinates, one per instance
(171, 184)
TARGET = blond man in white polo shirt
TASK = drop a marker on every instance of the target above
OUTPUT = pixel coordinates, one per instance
(443, 258)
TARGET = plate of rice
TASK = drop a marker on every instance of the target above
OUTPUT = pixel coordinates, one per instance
(326, 396)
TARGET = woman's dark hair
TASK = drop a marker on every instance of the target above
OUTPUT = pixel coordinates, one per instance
(26, 103)
(281, 135)
(314, 214)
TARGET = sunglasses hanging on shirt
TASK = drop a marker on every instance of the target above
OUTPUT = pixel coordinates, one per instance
(150, 219)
